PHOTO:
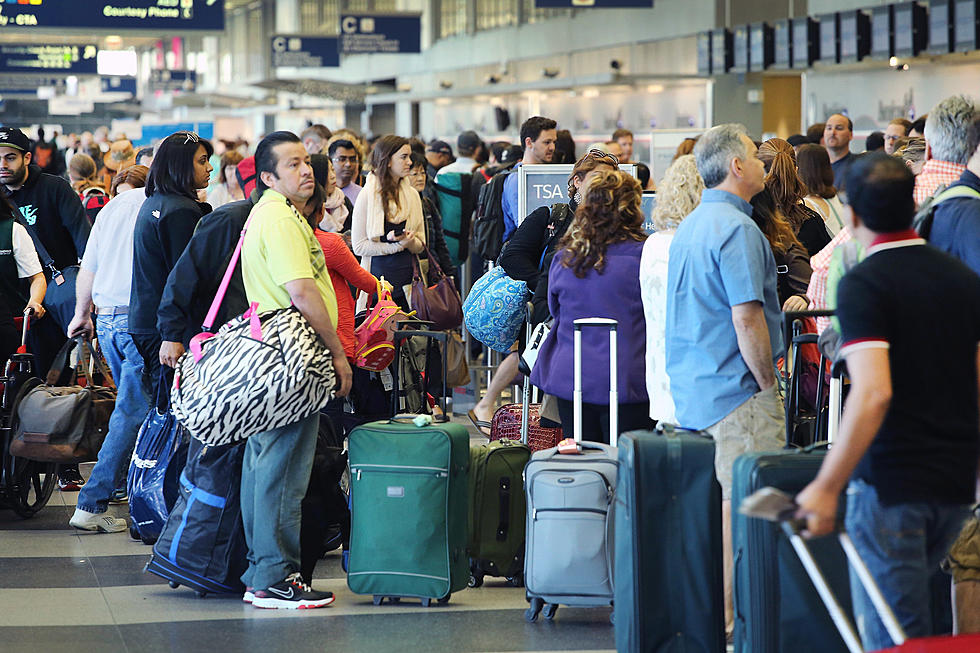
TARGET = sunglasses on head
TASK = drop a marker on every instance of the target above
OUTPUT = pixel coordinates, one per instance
(191, 137)
(599, 154)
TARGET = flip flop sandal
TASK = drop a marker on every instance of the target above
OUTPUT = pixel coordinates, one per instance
(481, 426)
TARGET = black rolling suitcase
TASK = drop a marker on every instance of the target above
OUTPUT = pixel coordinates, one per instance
(668, 553)
(202, 545)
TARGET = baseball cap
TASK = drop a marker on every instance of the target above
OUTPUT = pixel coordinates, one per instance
(15, 138)
(468, 140)
(511, 155)
(440, 147)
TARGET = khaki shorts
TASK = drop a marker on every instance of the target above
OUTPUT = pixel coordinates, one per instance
(757, 425)
(964, 556)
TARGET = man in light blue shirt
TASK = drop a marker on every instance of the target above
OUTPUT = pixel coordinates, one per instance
(538, 136)
(723, 333)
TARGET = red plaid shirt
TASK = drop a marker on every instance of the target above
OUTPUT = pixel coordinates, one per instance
(935, 173)
(816, 292)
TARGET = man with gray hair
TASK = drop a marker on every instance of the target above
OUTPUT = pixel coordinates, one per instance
(723, 333)
(947, 150)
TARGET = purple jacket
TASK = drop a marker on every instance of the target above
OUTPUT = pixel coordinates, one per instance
(615, 293)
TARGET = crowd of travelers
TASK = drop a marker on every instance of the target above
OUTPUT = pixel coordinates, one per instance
(743, 231)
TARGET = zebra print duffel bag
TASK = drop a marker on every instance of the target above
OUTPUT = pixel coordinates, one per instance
(258, 372)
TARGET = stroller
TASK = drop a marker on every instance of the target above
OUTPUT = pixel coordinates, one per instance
(25, 485)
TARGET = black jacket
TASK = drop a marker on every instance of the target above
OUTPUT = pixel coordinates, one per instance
(194, 281)
(163, 228)
(527, 255)
(52, 207)
(792, 273)
(435, 238)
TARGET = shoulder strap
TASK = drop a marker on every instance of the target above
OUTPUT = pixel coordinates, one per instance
(840, 223)
(954, 192)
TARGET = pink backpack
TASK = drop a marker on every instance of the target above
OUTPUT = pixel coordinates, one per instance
(374, 347)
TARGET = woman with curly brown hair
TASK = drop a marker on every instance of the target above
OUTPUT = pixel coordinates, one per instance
(788, 191)
(595, 273)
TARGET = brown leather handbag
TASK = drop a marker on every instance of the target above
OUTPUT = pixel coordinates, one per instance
(439, 303)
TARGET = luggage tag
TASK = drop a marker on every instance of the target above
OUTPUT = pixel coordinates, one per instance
(387, 380)
(569, 446)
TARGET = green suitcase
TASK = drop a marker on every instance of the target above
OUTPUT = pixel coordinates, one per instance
(409, 490)
(497, 511)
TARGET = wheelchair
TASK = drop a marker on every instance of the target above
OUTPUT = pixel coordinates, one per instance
(25, 485)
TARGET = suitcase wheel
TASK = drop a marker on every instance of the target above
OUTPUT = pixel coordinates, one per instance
(531, 614)
(134, 533)
(549, 611)
(517, 580)
(476, 580)
(174, 584)
(612, 617)
(445, 599)
(149, 541)
(394, 599)
(426, 602)
(378, 600)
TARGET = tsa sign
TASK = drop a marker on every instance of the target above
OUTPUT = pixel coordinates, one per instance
(297, 51)
(391, 33)
(546, 184)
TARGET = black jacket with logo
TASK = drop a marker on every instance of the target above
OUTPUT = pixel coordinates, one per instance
(50, 205)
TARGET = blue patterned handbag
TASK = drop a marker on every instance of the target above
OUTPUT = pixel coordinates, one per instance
(494, 309)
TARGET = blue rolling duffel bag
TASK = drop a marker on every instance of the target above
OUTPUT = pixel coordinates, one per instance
(202, 546)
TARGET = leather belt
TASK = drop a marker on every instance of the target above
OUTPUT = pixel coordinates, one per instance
(111, 310)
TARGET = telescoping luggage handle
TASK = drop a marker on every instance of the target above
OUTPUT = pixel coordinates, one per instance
(793, 528)
(610, 324)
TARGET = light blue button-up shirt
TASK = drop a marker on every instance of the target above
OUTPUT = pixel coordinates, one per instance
(718, 259)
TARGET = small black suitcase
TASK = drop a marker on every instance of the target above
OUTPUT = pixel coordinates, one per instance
(668, 554)
(202, 545)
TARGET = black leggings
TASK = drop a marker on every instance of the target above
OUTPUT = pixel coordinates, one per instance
(595, 419)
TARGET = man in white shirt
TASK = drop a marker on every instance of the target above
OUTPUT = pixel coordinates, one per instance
(104, 280)
(18, 260)
(468, 147)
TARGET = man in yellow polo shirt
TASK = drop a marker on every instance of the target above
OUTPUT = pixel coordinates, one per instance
(283, 265)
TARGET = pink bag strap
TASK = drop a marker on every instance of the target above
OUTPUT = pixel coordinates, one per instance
(226, 280)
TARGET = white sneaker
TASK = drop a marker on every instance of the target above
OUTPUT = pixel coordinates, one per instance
(100, 522)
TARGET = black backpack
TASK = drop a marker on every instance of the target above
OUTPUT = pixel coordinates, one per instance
(924, 217)
(488, 226)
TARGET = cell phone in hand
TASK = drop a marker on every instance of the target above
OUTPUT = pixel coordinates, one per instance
(770, 504)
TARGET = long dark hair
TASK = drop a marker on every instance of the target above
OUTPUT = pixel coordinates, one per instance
(381, 155)
(788, 190)
(610, 213)
(815, 170)
(172, 170)
(775, 227)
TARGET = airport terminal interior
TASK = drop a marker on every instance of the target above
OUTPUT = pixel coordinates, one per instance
(632, 83)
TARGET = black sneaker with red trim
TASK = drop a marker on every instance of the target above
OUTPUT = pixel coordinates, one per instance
(291, 594)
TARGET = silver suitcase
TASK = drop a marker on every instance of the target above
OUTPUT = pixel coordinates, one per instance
(568, 559)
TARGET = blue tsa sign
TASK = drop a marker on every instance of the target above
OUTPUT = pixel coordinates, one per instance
(67, 59)
(598, 4)
(112, 14)
(305, 51)
(365, 33)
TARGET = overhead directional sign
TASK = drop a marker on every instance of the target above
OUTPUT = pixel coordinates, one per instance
(119, 85)
(300, 51)
(599, 4)
(365, 33)
(173, 80)
(181, 15)
(67, 59)
(27, 85)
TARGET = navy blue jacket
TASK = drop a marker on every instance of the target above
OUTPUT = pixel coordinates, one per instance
(956, 224)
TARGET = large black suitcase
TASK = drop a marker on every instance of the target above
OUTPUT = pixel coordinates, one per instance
(668, 553)
(776, 607)
(202, 545)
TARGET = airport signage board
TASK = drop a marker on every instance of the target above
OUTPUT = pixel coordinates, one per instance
(170, 15)
(66, 59)
(173, 80)
(119, 85)
(648, 203)
(547, 184)
(150, 134)
(597, 4)
(384, 33)
(298, 51)
(26, 85)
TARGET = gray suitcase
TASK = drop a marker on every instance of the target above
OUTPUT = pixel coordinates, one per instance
(568, 559)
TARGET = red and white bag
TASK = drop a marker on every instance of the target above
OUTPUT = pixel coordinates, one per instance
(374, 338)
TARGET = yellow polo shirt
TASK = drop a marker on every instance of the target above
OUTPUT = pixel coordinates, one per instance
(280, 247)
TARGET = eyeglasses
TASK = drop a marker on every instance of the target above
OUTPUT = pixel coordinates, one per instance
(599, 154)
(191, 137)
(345, 159)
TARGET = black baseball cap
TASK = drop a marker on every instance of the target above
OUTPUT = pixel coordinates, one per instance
(440, 147)
(15, 138)
(469, 141)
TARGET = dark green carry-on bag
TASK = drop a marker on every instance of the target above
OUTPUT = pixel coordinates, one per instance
(455, 203)
(497, 511)
(409, 490)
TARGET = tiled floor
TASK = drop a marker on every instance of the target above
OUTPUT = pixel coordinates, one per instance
(63, 589)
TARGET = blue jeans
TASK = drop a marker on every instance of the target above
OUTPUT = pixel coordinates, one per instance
(902, 546)
(275, 473)
(126, 366)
